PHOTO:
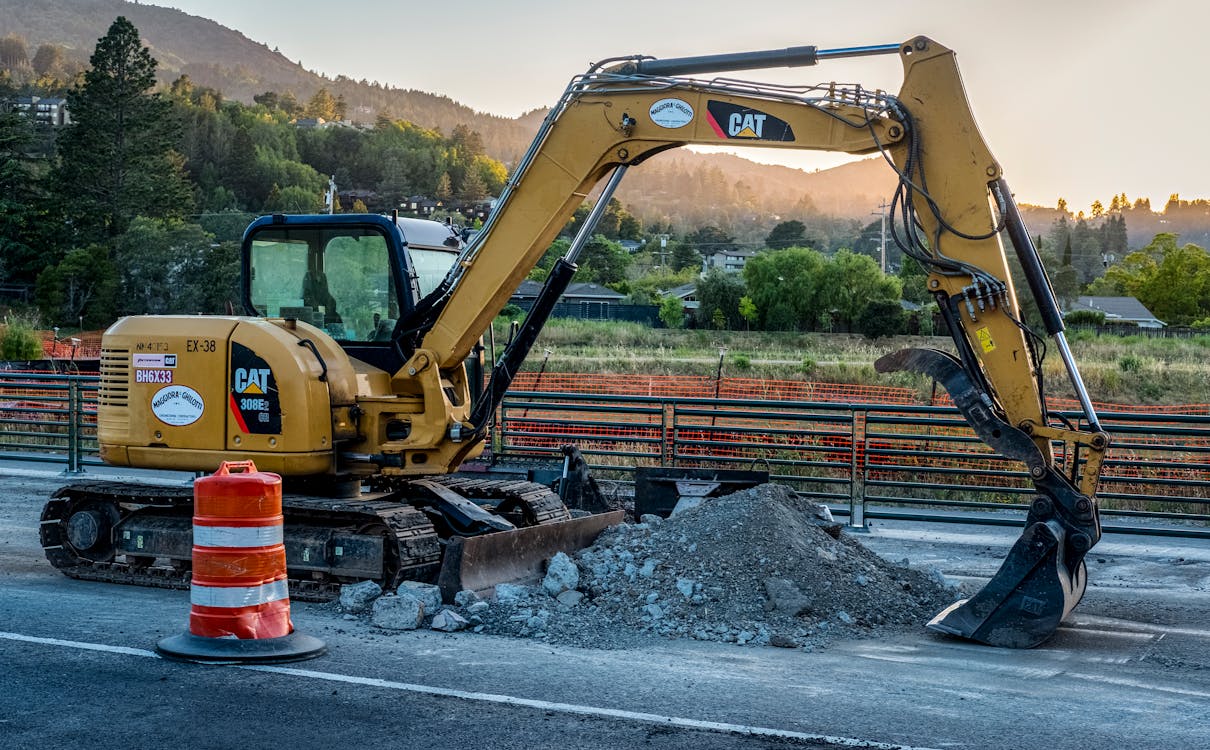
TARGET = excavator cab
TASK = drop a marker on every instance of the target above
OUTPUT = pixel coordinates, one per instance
(357, 277)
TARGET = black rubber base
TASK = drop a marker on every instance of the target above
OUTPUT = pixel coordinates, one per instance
(194, 648)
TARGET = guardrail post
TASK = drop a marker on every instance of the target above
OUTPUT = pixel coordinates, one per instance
(75, 408)
(665, 434)
(857, 472)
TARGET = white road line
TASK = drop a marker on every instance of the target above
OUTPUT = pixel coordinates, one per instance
(80, 645)
(508, 700)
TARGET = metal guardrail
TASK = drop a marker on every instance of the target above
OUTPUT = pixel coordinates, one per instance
(50, 418)
(866, 461)
(870, 461)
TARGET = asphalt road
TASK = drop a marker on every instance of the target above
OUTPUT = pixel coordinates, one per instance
(1131, 668)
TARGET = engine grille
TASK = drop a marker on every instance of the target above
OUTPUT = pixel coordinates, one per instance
(115, 378)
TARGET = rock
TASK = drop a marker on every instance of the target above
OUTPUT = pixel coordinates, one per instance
(861, 580)
(478, 607)
(570, 598)
(783, 641)
(653, 597)
(448, 621)
(685, 586)
(561, 575)
(466, 598)
(651, 520)
(828, 555)
(427, 593)
(649, 566)
(844, 617)
(786, 598)
(630, 571)
(511, 592)
(654, 611)
(686, 503)
(357, 597)
(348, 617)
(939, 577)
(400, 612)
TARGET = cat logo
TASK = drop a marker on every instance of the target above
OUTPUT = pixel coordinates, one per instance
(733, 122)
(745, 126)
(251, 381)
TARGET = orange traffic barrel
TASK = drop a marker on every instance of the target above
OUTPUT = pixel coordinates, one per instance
(239, 594)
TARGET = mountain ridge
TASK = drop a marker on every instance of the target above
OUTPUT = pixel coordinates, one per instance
(225, 59)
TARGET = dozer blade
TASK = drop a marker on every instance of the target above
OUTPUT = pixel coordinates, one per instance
(1023, 604)
(478, 563)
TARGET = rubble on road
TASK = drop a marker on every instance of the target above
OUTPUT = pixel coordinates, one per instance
(760, 566)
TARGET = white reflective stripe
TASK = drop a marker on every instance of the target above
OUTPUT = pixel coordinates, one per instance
(238, 596)
(237, 536)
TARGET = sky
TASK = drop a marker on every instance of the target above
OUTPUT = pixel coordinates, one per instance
(1077, 99)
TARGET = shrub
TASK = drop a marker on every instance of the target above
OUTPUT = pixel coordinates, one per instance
(1085, 318)
(20, 341)
(742, 361)
(1130, 363)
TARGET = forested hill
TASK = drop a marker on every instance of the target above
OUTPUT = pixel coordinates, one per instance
(685, 187)
(221, 58)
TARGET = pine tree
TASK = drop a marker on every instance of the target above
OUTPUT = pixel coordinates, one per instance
(116, 158)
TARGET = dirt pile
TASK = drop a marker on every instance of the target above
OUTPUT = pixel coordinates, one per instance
(761, 566)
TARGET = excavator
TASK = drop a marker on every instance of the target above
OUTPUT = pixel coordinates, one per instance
(347, 372)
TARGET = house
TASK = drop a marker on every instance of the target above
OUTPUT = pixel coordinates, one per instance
(420, 205)
(580, 300)
(1119, 310)
(687, 294)
(728, 261)
(47, 111)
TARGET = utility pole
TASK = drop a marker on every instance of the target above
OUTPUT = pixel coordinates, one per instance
(330, 198)
(882, 207)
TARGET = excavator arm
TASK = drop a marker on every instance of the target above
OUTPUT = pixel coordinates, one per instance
(950, 210)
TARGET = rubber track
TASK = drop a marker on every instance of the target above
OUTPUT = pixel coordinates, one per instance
(416, 540)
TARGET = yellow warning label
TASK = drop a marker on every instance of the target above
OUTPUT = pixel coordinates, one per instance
(985, 339)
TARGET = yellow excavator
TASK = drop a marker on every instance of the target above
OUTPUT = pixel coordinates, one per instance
(349, 367)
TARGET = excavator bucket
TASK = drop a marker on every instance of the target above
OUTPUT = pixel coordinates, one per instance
(1024, 602)
(479, 563)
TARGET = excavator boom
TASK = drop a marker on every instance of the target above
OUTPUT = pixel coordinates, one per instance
(950, 209)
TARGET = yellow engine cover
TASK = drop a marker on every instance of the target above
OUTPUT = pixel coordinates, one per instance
(185, 393)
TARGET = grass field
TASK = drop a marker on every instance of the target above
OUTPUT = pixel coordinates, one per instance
(1117, 369)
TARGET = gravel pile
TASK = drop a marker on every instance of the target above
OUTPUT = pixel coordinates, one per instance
(761, 566)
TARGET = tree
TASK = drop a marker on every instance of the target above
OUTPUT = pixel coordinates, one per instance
(718, 296)
(787, 234)
(116, 158)
(49, 60)
(18, 198)
(708, 240)
(684, 256)
(672, 312)
(444, 189)
(1172, 281)
(14, 55)
(164, 268)
(785, 286)
(603, 261)
(83, 286)
(747, 310)
(322, 105)
(851, 282)
(881, 317)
